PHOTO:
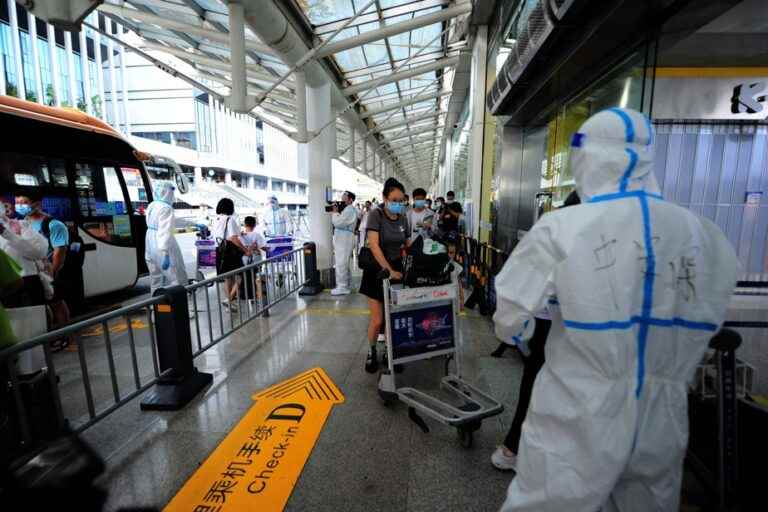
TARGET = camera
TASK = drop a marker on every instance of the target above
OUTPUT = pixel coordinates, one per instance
(338, 204)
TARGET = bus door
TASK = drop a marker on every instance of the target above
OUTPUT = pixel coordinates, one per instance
(104, 219)
(139, 197)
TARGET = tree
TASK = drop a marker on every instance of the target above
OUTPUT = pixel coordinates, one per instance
(11, 90)
(31, 96)
(96, 102)
(50, 95)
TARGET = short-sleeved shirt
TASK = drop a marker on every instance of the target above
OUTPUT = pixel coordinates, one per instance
(225, 227)
(59, 234)
(417, 221)
(9, 273)
(392, 233)
(253, 238)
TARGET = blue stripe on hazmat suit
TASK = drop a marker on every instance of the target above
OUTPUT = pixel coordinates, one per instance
(643, 285)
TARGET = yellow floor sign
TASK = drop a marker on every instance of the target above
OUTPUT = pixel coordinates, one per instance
(257, 465)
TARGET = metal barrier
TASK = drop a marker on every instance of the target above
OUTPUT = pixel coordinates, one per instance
(114, 341)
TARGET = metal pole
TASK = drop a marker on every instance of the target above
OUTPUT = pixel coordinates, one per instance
(32, 24)
(238, 92)
(352, 145)
(124, 86)
(16, 35)
(301, 106)
(311, 53)
(112, 75)
(446, 62)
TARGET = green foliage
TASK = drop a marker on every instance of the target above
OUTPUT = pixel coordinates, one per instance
(11, 90)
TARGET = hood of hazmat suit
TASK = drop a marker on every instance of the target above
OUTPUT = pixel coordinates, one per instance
(160, 241)
(636, 287)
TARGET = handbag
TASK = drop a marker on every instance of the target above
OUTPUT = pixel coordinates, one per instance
(228, 255)
(366, 261)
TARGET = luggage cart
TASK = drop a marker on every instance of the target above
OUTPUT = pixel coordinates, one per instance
(205, 257)
(421, 323)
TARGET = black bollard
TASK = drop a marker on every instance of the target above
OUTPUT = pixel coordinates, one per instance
(179, 379)
(313, 286)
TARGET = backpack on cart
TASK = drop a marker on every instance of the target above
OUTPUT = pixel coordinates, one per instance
(430, 267)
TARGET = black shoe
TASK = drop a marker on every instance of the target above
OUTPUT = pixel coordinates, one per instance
(372, 362)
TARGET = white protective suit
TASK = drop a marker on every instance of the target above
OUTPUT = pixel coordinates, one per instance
(276, 222)
(161, 246)
(343, 243)
(26, 249)
(642, 286)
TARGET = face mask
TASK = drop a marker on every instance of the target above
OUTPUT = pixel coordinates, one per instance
(396, 208)
(419, 203)
(438, 205)
(23, 209)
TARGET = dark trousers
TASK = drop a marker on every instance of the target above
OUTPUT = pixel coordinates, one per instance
(531, 366)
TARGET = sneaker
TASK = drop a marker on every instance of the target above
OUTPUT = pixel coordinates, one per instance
(340, 291)
(372, 362)
(502, 461)
(499, 352)
(380, 338)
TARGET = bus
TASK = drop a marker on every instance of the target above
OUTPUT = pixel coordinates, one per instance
(90, 178)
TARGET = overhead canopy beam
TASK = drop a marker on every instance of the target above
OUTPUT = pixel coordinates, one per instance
(408, 121)
(394, 29)
(411, 100)
(417, 132)
(402, 75)
(171, 24)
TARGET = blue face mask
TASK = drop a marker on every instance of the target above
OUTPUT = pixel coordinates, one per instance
(396, 208)
(23, 209)
(419, 203)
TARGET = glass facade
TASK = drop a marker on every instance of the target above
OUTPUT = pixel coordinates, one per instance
(9, 63)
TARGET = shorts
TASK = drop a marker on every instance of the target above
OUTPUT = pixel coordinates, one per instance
(372, 286)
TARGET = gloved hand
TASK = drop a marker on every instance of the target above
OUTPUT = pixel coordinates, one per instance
(166, 264)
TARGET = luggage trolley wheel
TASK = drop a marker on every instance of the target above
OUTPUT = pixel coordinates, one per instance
(466, 433)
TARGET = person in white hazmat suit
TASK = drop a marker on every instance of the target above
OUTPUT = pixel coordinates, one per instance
(639, 287)
(276, 221)
(162, 253)
(344, 223)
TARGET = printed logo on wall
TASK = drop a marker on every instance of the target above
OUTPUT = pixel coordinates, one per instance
(749, 98)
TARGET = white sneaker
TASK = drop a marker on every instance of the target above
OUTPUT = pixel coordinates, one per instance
(380, 338)
(340, 291)
(502, 461)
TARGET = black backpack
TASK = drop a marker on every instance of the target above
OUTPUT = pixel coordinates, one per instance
(425, 269)
(73, 263)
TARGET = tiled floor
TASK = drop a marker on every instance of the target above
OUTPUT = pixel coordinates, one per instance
(389, 464)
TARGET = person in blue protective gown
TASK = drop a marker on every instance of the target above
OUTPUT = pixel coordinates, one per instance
(636, 288)
(162, 253)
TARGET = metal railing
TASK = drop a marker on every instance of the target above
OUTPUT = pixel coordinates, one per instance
(115, 341)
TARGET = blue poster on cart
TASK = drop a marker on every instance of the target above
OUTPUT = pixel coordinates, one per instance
(420, 331)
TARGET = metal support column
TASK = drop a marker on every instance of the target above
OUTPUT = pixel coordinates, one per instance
(477, 127)
(353, 143)
(32, 24)
(301, 106)
(55, 72)
(112, 76)
(16, 43)
(123, 84)
(238, 99)
(86, 71)
(315, 162)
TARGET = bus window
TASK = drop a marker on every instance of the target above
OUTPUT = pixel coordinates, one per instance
(18, 172)
(136, 191)
(102, 204)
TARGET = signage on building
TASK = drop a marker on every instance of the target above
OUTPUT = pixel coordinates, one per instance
(711, 98)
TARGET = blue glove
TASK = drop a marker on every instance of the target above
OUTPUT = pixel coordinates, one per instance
(166, 264)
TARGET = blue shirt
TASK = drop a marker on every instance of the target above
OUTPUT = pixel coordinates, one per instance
(59, 233)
